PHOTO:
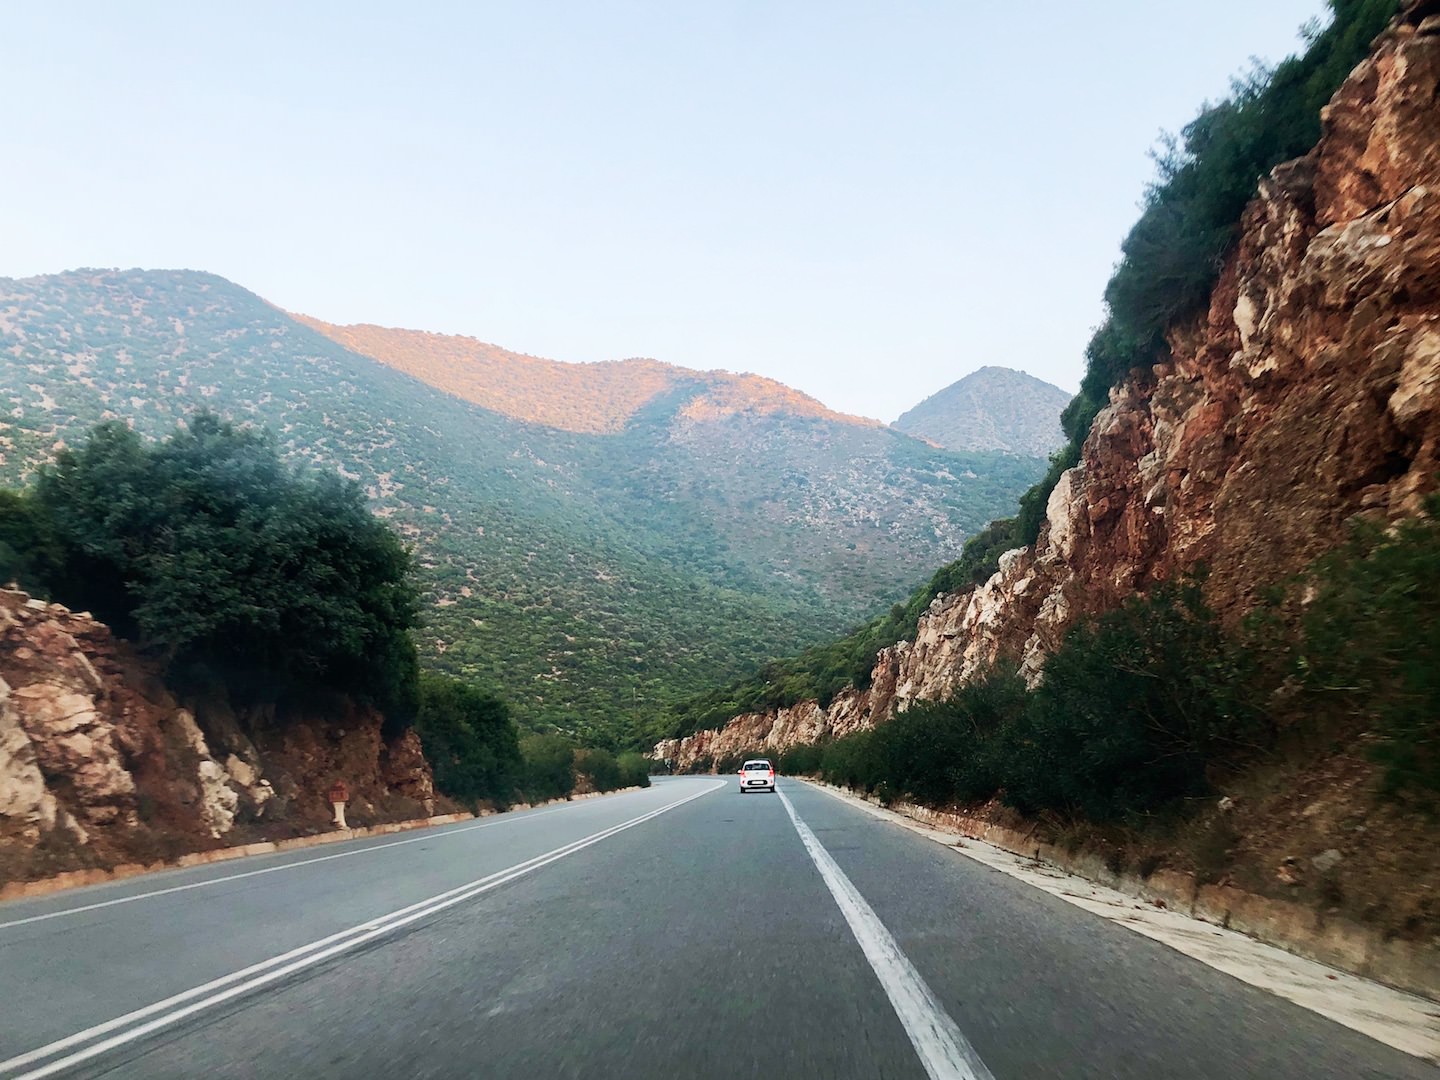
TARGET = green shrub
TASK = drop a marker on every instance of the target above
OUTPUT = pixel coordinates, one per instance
(851, 763)
(600, 767)
(30, 552)
(934, 752)
(1370, 645)
(469, 739)
(803, 760)
(1135, 710)
(549, 767)
(634, 769)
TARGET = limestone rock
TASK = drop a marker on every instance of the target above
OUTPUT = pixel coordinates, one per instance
(23, 796)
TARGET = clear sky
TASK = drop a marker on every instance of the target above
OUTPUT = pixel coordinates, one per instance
(863, 200)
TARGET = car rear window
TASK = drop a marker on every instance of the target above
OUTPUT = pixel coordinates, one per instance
(756, 765)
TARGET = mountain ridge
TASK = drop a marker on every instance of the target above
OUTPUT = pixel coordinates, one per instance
(551, 392)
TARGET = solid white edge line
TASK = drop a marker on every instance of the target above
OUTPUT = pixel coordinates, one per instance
(298, 960)
(938, 1041)
(439, 835)
(1403, 1021)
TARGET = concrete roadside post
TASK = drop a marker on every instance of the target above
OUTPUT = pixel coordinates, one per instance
(339, 795)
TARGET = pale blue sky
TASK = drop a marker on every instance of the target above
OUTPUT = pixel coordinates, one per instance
(864, 200)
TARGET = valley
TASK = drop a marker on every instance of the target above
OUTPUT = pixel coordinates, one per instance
(590, 571)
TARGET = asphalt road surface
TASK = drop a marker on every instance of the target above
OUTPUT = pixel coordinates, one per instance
(681, 931)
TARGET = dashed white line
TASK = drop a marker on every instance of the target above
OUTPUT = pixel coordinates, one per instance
(943, 1049)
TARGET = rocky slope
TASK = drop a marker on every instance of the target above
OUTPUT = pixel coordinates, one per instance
(100, 764)
(1307, 393)
(992, 408)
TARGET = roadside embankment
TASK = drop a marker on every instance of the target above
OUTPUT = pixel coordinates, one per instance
(73, 879)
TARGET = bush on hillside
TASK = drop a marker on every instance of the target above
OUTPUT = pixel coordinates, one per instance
(30, 552)
(1369, 649)
(215, 553)
(1137, 709)
(607, 772)
(934, 752)
(634, 769)
(600, 767)
(549, 767)
(802, 760)
(470, 740)
(851, 763)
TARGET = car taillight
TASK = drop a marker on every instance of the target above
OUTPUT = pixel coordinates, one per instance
(772, 774)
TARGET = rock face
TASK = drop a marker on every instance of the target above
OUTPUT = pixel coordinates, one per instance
(100, 764)
(1307, 393)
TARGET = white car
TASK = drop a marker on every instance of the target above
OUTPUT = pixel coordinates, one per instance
(757, 775)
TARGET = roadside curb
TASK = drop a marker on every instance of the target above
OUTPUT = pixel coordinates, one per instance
(73, 879)
(1338, 943)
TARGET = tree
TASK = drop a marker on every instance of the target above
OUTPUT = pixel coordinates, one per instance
(470, 740)
(214, 552)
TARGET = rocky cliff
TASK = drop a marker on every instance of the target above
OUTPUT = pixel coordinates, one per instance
(100, 764)
(1307, 393)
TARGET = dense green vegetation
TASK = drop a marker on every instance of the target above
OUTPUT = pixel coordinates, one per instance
(1146, 706)
(1138, 709)
(591, 581)
(1368, 648)
(477, 754)
(214, 553)
(470, 741)
(1171, 259)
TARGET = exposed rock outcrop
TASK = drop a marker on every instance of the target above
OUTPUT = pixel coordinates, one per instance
(1307, 393)
(100, 764)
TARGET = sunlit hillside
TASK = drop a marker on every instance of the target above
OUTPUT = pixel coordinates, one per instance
(589, 398)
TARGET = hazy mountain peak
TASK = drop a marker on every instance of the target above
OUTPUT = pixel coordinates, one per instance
(992, 408)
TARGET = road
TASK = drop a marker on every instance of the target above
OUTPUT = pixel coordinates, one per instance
(680, 931)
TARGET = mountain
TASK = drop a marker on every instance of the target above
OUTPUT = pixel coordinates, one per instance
(588, 398)
(594, 543)
(993, 408)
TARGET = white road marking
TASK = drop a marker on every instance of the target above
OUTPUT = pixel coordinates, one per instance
(279, 967)
(1404, 1021)
(941, 1046)
(428, 835)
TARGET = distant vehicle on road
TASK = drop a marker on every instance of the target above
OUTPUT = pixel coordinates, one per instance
(757, 774)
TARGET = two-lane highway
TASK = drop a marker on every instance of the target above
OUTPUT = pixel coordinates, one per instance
(684, 930)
